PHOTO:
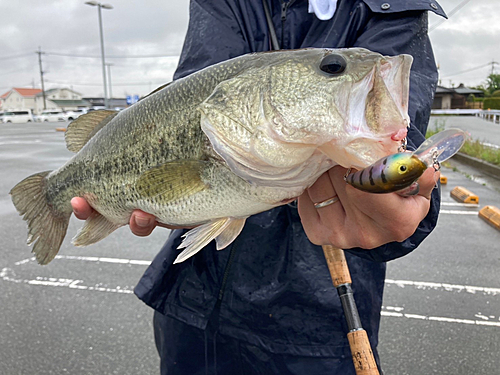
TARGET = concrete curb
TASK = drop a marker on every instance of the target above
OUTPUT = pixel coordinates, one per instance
(489, 169)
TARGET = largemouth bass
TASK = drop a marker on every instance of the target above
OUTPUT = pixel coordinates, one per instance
(232, 140)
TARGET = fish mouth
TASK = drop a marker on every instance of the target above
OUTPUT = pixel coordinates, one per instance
(395, 72)
(378, 102)
(387, 101)
(376, 112)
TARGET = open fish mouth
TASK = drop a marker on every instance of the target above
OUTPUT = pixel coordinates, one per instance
(378, 103)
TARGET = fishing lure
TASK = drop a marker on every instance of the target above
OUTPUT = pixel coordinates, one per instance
(399, 171)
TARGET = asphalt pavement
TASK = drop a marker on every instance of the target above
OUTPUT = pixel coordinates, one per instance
(479, 129)
(78, 315)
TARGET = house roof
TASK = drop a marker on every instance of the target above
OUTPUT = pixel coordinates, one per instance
(467, 91)
(462, 90)
(23, 92)
(70, 103)
(444, 90)
(49, 91)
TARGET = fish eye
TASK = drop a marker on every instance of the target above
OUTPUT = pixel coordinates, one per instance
(333, 64)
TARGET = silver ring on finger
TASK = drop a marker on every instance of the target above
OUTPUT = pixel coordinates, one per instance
(326, 202)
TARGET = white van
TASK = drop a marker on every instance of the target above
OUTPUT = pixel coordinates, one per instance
(17, 116)
(73, 115)
(52, 115)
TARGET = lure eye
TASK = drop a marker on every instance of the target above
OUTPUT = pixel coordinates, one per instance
(333, 65)
(402, 168)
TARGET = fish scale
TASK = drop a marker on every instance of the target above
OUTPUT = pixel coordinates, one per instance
(211, 149)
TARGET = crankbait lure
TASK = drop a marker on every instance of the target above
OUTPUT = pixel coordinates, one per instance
(399, 171)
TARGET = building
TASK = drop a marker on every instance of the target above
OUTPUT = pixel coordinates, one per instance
(61, 98)
(19, 98)
(456, 98)
(113, 103)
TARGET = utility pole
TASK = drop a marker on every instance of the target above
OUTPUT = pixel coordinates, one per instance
(493, 62)
(39, 52)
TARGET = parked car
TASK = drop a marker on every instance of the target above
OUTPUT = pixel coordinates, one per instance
(17, 116)
(52, 116)
(73, 115)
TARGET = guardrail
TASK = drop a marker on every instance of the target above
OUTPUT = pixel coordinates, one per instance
(490, 115)
(456, 111)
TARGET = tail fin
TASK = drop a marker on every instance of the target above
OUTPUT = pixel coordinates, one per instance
(46, 226)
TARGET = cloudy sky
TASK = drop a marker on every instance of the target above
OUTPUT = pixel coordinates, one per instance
(143, 40)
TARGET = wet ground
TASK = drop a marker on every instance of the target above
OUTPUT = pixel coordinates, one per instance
(78, 315)
(441, 306)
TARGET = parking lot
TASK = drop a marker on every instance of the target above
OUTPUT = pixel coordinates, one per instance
(78, 315)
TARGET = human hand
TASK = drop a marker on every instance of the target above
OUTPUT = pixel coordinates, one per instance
(141, 223)
(360, 219)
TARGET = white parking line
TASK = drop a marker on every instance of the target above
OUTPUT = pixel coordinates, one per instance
(444, 286)
(457, 204)
(105, 260)
(93, 259)
(8, 274)
(395, 314)
(456, 212)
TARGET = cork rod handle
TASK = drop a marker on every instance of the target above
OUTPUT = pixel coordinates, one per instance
(362, 355)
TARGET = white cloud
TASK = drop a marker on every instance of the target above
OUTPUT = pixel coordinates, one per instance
(468, 39)
(150, 27)
(157, 27)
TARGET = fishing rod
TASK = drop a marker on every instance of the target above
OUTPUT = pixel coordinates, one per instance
(362, 354)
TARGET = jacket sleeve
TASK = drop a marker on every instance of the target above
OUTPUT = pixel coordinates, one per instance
(402, 28)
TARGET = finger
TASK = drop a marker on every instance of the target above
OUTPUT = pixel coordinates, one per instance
(311, 221)
(142, 223)
(307, 212)
(319, 221)
(322, 189)
(428, 182)
(81, 208)
(325, 191)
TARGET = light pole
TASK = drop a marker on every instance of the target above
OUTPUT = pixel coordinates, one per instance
(110, 102)
(99, 6)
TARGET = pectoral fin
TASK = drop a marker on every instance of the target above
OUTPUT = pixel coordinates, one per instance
(224, 231)
(96, 228)
(172, 180)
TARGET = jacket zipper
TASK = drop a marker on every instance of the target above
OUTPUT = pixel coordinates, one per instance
(226, 273)
(284, 8)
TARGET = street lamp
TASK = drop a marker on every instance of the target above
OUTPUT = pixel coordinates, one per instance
(109, 65)
(104, 6)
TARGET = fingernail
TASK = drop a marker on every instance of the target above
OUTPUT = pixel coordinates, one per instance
(142, 221)
(73, 201)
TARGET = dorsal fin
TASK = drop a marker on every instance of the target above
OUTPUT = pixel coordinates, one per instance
(85, 127)
(156, 90)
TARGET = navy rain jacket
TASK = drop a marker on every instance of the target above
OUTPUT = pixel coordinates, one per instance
(271, 287)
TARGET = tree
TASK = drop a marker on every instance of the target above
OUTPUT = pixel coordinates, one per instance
(479, 87)
(493, 83)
